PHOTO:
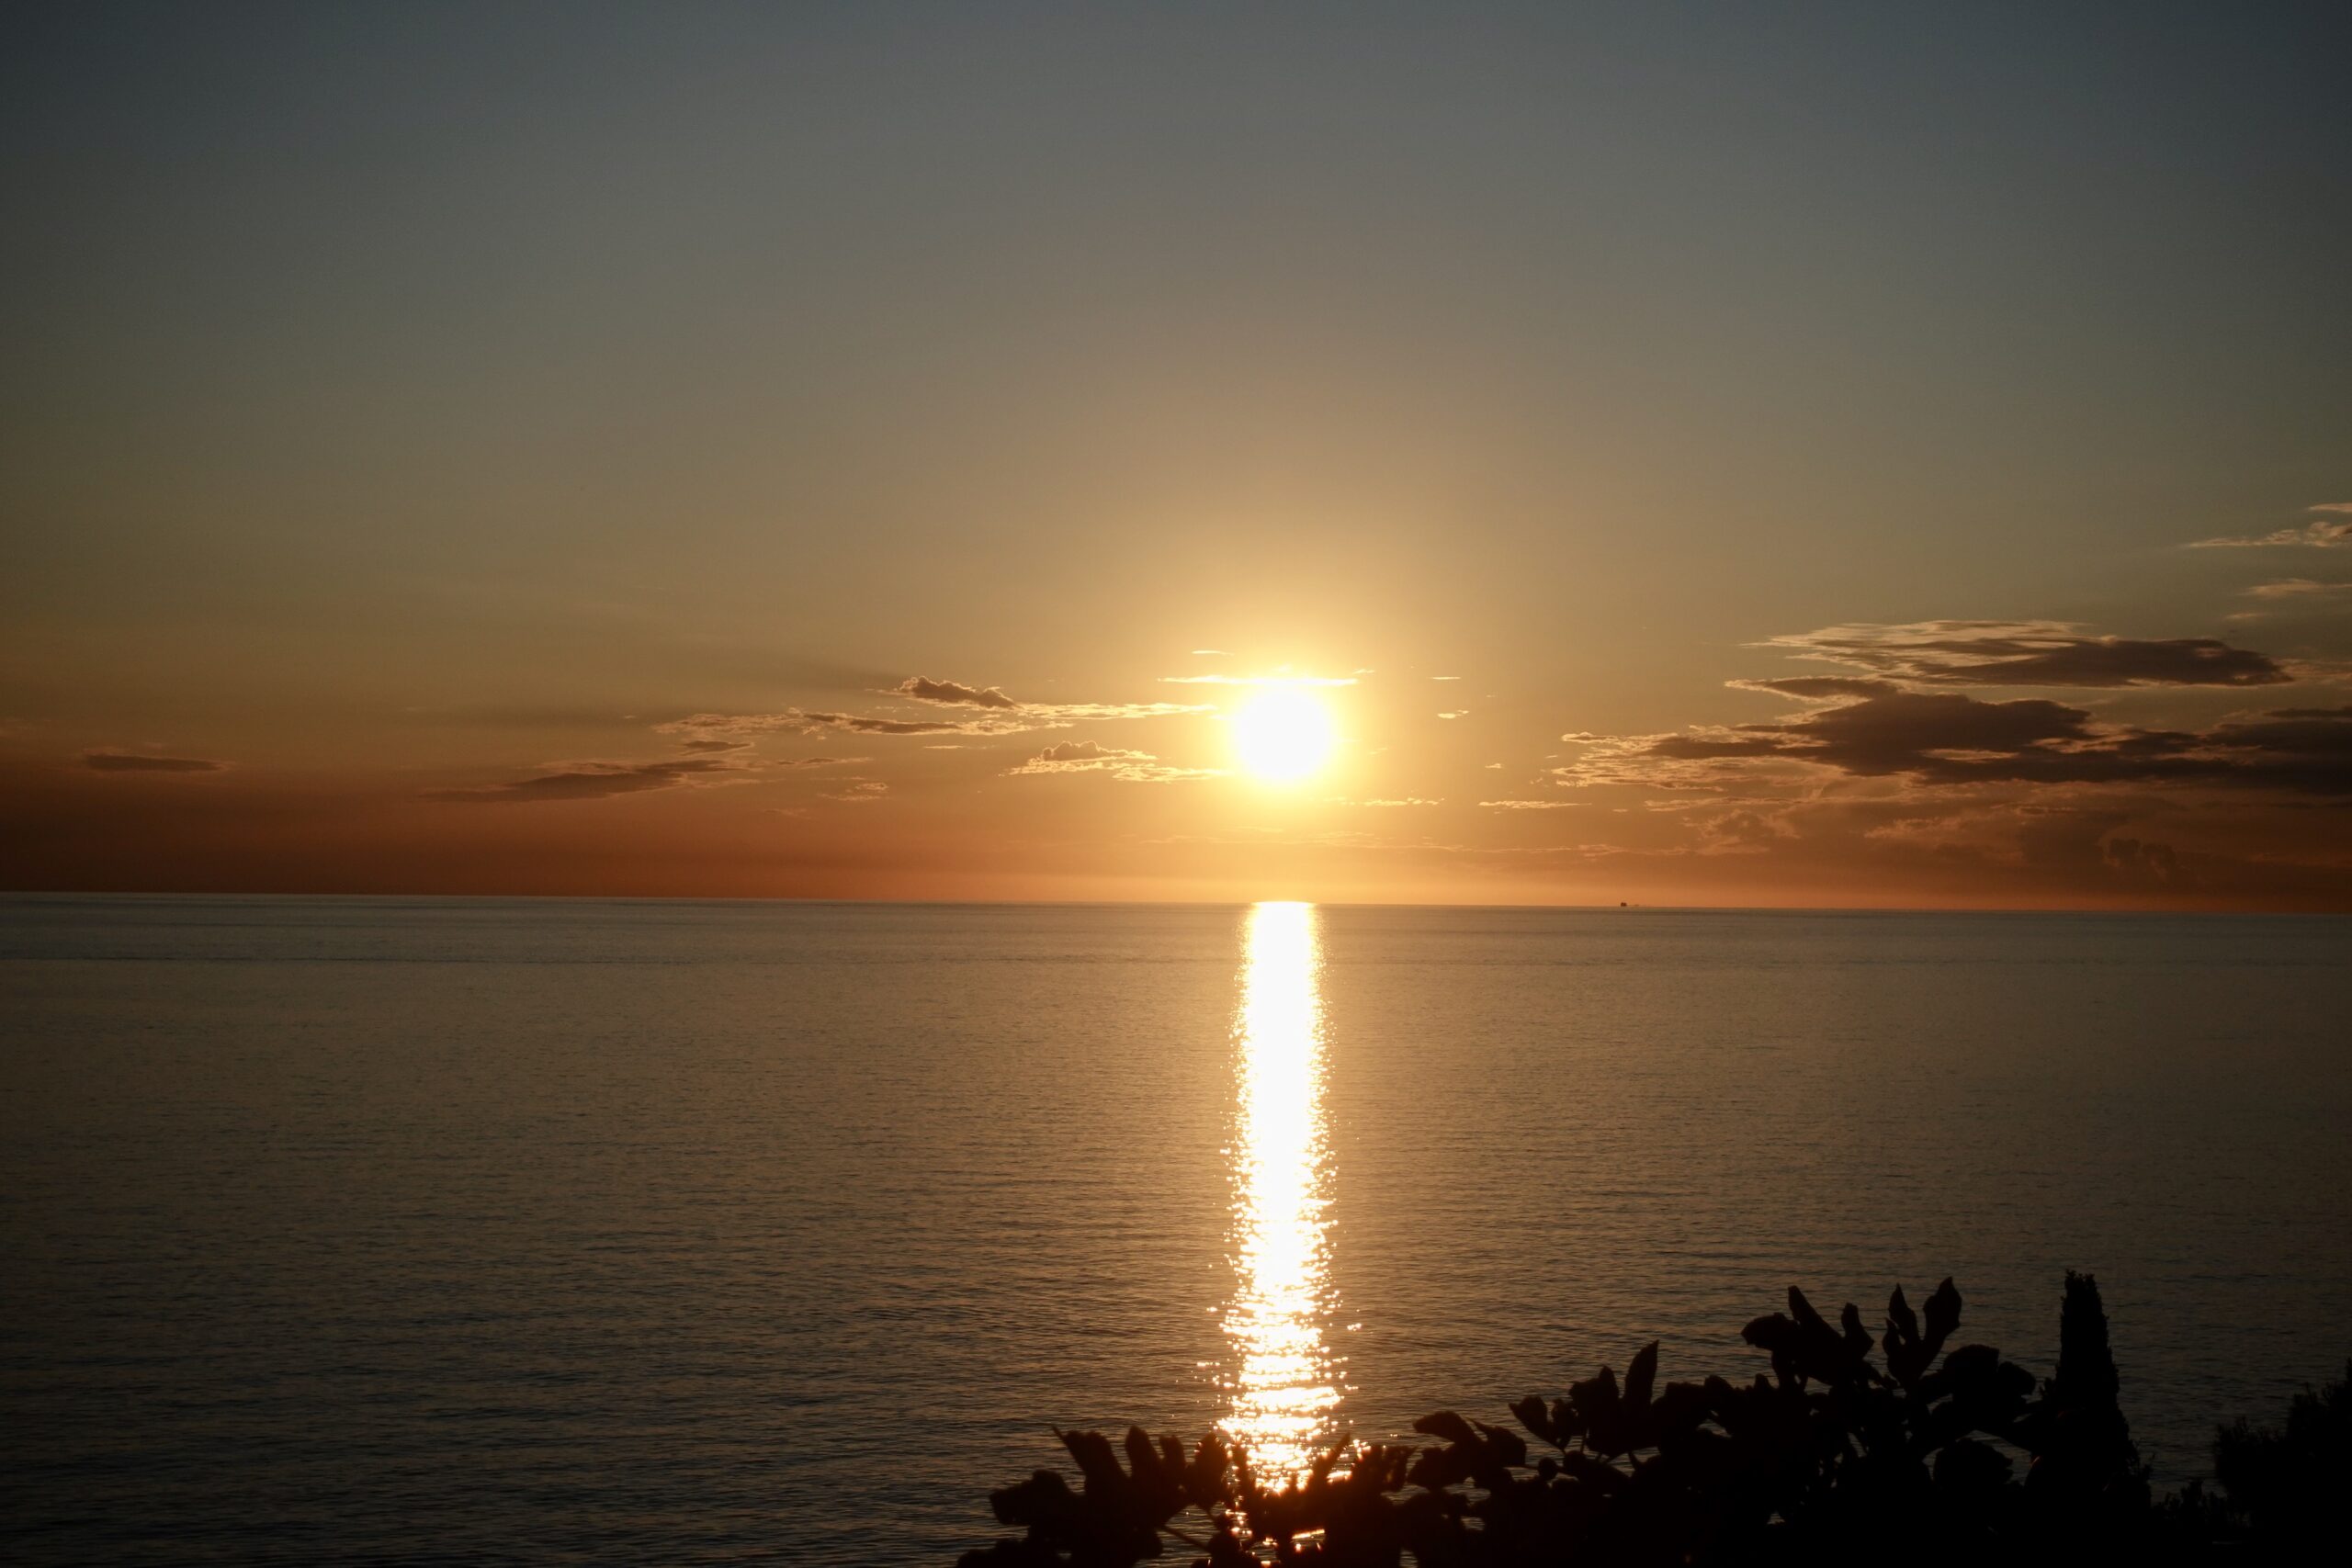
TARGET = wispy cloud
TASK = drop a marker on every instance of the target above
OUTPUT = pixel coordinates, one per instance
(802, 721)
(859, 792)
(999, 713)
(2320, 534)
(106, 761)
(1259, 680)
(599, 781)
(951, 693)
(954, 694)
(2299, 588)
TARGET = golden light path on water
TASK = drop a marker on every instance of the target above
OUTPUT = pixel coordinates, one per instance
(1286, 1383)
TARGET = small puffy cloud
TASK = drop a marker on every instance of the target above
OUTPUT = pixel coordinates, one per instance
(859, 792)
(111, 761)
(1086, 751)
(2029, 653)
(1456, 713)
(953, 693)
(1088, 757)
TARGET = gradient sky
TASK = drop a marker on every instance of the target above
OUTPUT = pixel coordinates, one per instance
(1855, 455)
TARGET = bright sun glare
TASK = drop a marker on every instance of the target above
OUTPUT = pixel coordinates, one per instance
(1283, 734)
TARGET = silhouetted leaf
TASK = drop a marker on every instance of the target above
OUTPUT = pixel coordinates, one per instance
(1943, 1315)
(1640, 1375)
(1858, 1342)
(1503, 1443)
(1447, 1424)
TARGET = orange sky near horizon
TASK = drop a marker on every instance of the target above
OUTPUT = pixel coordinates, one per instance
(1839, 460)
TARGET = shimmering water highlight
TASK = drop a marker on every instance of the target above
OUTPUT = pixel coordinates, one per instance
(1285, 1383)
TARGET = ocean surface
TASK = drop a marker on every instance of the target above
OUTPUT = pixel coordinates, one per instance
(403, 1230)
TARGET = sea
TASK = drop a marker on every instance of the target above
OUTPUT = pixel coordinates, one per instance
(404, 1230)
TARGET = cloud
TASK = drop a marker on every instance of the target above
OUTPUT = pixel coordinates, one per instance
(1085, 751)
(859, 792)
(716, 746)
(1821, 687)
(801, 721)
(2297, 588)
(1950, 739)
(1002, 715)
(953, 693)
(1261, 680)
(1906, 772)
(111, 761)
(1405, 800)
(1529, 805)
(1048, 715)
(1087, 757)
(2027, 653)
(1079, 713)
(2320, 534)
(599, 781)
(1457, 713)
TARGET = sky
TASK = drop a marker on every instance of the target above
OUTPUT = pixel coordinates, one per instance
(1857, 455)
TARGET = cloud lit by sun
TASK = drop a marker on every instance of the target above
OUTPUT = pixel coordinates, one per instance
(1283, 735)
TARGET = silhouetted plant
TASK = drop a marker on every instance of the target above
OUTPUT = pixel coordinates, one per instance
(2282, 1490)
(1832, 1458)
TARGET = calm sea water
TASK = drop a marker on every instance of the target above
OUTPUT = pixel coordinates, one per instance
(482, 1230)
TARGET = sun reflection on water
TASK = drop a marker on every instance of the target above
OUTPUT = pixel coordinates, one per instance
(1286, 1382)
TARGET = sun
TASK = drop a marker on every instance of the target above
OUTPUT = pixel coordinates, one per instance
(1283, 735)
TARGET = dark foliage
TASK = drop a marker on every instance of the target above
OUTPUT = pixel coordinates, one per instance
(1930, 1453)
(2282, 1489)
